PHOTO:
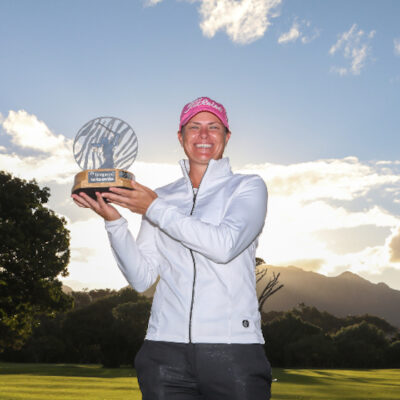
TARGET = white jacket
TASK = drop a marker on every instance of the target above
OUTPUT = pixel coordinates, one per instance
(203, 248)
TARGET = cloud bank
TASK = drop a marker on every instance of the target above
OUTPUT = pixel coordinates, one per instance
(313, 207)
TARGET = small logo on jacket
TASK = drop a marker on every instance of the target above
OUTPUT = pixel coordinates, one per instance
(245, 323)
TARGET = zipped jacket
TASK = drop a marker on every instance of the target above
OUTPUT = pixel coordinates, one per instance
(202, 246)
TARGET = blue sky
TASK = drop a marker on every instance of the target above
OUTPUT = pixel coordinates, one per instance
(312, 90)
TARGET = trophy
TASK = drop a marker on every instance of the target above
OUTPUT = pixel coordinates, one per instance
(104, 148)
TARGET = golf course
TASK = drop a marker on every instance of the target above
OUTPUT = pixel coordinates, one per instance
(93, 382)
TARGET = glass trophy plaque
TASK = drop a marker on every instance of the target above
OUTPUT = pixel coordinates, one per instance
(104, 148)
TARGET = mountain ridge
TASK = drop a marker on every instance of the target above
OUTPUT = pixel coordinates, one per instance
(341, 295)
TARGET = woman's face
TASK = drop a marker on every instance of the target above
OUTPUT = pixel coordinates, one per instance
(204, 138)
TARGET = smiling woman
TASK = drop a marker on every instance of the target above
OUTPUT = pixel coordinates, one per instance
(199, 235)
(203, 138)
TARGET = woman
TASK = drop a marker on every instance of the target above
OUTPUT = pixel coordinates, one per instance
(199, 234)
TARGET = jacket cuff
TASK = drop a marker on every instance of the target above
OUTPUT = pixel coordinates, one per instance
(114, 224)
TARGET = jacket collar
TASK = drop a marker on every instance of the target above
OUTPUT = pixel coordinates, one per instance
(215, 169)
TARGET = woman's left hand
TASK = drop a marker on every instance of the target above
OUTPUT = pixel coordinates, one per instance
(137, 200)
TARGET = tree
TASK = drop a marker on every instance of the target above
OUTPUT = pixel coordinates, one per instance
(360, 345)
(272, 285)
(311, 351)
(132, 319)
(283, 331)
(34, 250)
(393, 355)
(259, 261)
(108, 331)
(327, 322)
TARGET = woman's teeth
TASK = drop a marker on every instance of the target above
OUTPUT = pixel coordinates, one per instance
(204, 145)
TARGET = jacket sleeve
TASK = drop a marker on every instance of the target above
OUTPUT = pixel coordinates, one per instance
(138, 260)
(242, 223)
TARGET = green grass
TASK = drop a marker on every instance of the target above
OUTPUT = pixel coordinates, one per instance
(92, 382)
(67, 382)
(336, 384)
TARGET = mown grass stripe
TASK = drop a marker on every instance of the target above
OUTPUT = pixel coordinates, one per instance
(92, 382)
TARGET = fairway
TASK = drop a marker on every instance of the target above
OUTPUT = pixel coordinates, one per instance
(336, 384)
(92, 382)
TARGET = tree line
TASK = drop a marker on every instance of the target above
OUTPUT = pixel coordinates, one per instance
(108, 327)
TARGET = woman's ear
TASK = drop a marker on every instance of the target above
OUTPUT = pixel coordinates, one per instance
(227, 137)
(180, 137)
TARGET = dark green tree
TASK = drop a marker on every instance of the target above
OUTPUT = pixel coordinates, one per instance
(34, 251)
(131, 322)
(81, 299)
(108, 331)
(283, 331)
(393, 355)
(310, 351)
(361, 345)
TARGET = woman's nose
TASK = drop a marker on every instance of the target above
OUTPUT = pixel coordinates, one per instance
(204, 131)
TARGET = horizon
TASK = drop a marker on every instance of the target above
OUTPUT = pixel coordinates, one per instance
(311, 89)
(80, 287)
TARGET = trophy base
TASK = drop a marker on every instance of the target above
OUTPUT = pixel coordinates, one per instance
(91, 181)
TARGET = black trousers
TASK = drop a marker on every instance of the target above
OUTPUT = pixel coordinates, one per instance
(203, 371)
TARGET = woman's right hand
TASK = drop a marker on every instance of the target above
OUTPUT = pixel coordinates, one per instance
(100, 207)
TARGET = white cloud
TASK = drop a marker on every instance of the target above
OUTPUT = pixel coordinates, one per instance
(55, 160)
(244, 21)
(354, 46)
(151, 3)
(396, 44)
(341, 179)
(43, 169)
(299, 30)
(292, 35)
(28, 132)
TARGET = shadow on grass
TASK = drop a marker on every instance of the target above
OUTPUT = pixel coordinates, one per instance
(74, 370)
(314, 376)
(293, 376)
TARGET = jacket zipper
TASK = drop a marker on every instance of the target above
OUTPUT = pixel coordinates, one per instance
(194, 281)
(193, 259)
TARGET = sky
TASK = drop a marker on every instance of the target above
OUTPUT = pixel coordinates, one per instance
(312, 90)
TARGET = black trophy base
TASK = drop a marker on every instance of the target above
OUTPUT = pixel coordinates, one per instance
(91, 191)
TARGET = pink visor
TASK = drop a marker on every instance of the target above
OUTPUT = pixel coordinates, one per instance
(203, 104)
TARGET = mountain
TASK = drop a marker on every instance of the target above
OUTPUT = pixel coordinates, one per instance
(342, 295)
